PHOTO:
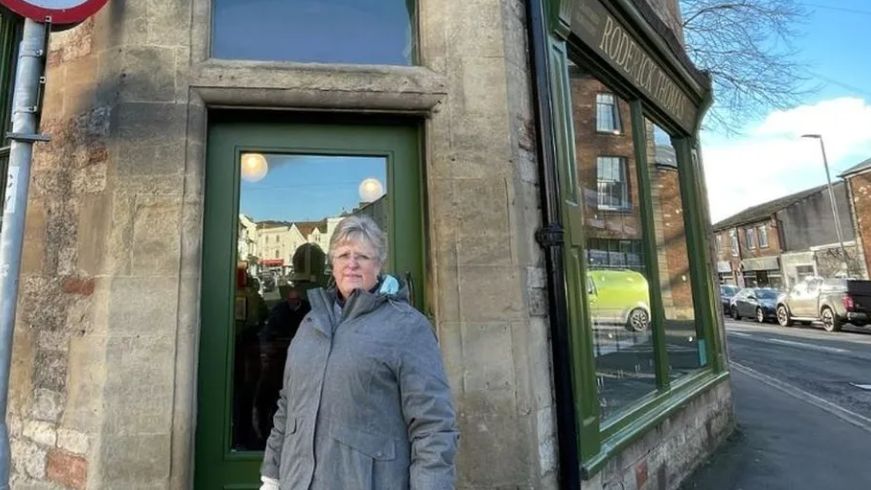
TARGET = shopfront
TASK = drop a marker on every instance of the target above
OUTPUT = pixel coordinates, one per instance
(645, 339)
(535, 165)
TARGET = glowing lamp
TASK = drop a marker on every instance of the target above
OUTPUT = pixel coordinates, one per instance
(253, 167)
(370, 190)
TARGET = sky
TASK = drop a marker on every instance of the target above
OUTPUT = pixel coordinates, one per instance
(308, 187)
(770, 159)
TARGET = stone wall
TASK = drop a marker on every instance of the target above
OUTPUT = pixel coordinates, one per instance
(667, 454)
(860, 200)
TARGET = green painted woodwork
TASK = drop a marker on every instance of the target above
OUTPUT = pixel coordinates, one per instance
(229, 134)
(597, 441)
(580, 334)
(651, 258)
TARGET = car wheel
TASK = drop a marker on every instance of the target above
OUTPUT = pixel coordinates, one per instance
(735, 315)
(760, 315)
(783, 316)
(830, 321)
(638, 320)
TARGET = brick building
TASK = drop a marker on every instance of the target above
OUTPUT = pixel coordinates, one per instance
(780, 242)
(520, 146)
(858, 179)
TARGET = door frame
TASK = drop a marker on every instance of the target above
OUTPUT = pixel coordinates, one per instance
(230, 133)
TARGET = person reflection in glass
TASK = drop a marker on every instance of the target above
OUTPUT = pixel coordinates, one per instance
(278, 332)
(365, 402)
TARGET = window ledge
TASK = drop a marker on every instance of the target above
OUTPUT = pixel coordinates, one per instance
(654, 412)
(409, 89)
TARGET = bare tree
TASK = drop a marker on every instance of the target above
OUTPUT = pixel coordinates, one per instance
(746, 46)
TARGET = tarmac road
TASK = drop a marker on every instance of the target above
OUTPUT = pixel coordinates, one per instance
(803, 408)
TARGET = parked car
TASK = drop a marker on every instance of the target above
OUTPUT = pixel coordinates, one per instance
(727, 292)
(831, 302)
(619, 296)
(757, 303)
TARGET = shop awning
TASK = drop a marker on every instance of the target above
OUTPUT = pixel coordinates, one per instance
(760, 264)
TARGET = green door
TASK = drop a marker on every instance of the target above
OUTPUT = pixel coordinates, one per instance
(276, 185)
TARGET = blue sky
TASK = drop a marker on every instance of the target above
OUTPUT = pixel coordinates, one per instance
(308, 187)
(769, 159)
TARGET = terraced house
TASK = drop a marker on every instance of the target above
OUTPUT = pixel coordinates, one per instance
(535, 163)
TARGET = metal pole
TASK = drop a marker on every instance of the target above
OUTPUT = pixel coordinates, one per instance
(24, 122)
(834, 208)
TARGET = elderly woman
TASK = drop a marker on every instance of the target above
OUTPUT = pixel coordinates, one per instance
(365, 403)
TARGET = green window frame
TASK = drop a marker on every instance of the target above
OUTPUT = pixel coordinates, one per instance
(599, 440)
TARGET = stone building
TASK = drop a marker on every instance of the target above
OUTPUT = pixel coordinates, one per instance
(506, 183)
(780, 242)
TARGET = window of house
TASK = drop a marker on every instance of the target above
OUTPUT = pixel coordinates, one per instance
(750, 237)
(607, 114)
(733, 236)
(763, 236)
(719, 244)
(315, 31)
(611, 183)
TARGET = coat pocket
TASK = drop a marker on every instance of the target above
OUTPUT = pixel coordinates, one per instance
(377, 447)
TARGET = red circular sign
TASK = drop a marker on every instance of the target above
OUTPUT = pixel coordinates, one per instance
(60, 11)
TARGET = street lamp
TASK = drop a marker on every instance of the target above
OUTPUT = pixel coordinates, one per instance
(832, 199)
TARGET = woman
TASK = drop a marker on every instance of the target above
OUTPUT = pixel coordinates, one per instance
(365, 403)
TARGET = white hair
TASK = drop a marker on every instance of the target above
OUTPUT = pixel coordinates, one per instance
(357, 228)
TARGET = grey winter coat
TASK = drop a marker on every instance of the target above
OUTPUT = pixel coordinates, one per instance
(365, 402)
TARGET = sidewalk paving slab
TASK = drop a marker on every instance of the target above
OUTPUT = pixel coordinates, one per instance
(783, 443)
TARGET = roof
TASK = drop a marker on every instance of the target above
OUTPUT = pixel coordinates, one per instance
(765, 210)
(857, 168)
(307, 227)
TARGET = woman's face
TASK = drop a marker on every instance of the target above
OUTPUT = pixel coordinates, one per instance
(355, 266)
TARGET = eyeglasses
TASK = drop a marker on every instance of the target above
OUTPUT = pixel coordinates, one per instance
(347, 257)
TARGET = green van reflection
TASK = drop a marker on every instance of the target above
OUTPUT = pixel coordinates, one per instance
(619, 296)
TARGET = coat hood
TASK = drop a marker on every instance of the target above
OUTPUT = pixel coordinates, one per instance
(388, 290)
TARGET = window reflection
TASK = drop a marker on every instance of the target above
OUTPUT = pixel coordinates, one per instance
(685, 351)
(289, 206)
(618, 297)
(320, 31)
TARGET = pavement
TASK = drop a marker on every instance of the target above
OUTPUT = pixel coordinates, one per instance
(787, 438)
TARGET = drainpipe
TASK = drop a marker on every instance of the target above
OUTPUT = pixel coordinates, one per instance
(550, 237)
(25, 103)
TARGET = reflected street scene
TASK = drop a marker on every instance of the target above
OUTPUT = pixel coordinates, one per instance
(289, 206)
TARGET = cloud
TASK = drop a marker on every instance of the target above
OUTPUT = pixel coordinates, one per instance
(772, 160)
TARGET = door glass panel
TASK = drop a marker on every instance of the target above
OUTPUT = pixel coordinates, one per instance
(289, 206)
(618, 295)
(318, 31)
(685, 350)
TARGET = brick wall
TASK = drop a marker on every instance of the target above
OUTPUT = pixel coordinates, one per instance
(860, 193)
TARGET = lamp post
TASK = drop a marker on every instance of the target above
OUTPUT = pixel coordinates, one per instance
(832, 199)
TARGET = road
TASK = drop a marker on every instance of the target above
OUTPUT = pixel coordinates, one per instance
(803, 408)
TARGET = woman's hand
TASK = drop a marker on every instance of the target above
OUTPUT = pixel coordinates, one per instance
(268, 483)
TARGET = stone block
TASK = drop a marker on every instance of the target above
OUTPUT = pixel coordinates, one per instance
(148, 123)
(487, 357)
(42, 433)
(134, 461)
(146, 405)
(50, 371)
(486, 444)
(156, 244)
(29, 458)
(489, 293)
(72, 441)
(92, 178)
(482, 206)
(146, 73)
(95, 215)
(133, 313)
(87, 371)
(33, 255)
(67, 469)
(484, 90)
(476, 27)
(47, 405)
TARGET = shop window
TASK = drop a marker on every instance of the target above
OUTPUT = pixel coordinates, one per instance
(685, 351)
(618, 295)
(733, 237)
(763, 236)
(750, 237)
(611, 183)
(315, 31)
(607, 114)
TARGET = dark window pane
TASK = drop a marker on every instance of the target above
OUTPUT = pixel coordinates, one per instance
(321, 31)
